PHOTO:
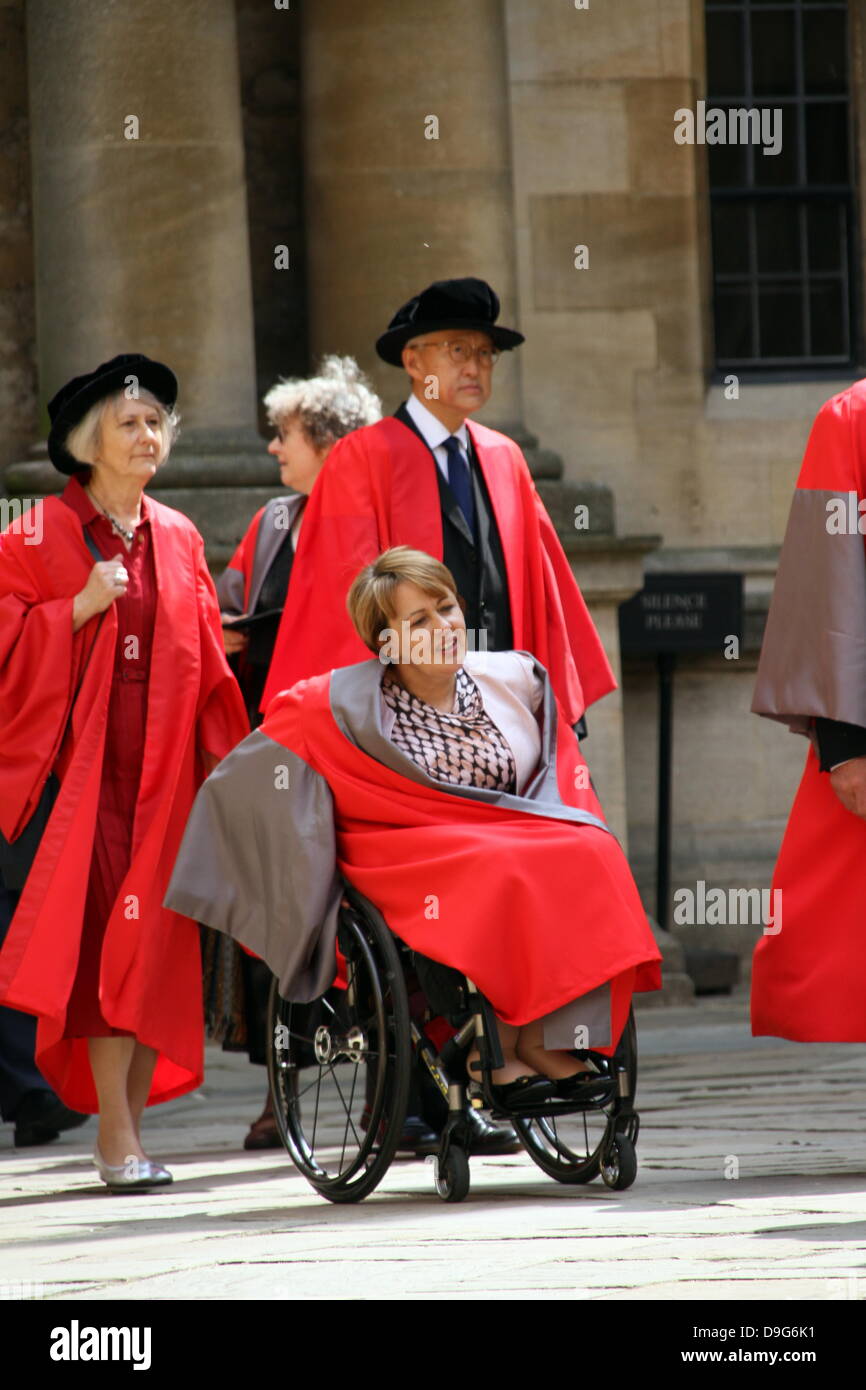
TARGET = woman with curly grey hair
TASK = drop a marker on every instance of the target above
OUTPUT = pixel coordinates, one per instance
(309, 415)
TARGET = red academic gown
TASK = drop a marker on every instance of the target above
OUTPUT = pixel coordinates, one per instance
(150, 970)
(536, 911)
(243, 559)
(809, 977)
(377, 489)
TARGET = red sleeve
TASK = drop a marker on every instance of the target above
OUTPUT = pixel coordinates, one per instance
(568, 616)
(833, 461)
(37, 660)
(345, 527)
(238, 560)
(221, 716)
(233, 585)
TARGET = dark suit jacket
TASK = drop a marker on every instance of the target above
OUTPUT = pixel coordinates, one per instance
(477, 562)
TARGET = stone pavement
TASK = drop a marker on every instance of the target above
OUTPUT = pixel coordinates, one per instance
(790, 1118)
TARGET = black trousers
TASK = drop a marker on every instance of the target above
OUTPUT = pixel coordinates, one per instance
(18, 1071)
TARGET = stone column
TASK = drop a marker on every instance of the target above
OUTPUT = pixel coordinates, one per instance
(140, 232)
(139, 200)
(17, 372)
(389, 209)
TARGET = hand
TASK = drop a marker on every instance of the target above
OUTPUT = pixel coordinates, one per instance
(849, 784)
(233, 642)
(108, 580)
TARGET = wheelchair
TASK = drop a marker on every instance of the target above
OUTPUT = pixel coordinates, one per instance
(339, 1070)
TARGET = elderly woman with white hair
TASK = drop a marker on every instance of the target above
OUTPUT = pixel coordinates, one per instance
(308, 416)
(116, 700)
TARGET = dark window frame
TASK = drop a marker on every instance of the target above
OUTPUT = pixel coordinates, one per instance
(844, 196)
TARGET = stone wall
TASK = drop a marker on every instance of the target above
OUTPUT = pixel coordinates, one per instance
(17, 315)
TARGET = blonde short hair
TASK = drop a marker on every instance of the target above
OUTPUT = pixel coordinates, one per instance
(84, 439)
(336, 401)
(370, 600)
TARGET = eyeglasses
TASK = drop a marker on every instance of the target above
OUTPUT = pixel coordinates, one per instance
(461, 352)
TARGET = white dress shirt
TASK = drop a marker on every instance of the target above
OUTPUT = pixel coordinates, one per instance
(435, 433)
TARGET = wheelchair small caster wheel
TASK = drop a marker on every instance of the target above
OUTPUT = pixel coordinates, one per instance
(452, 1176)
(619, 1164)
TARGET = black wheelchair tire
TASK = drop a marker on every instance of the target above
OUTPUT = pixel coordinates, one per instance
(382, 1010)
(619, 1164)
(452, 1177)
(552, 1154)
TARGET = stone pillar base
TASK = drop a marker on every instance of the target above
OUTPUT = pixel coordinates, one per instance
(609, 570)
(677, 986)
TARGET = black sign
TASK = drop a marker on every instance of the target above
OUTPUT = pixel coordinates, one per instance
(682, 613)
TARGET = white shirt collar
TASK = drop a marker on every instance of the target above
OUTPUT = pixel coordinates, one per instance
(433, 430)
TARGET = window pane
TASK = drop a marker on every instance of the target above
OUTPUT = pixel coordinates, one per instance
(778, 236)
(827, 304)
(731, 238)
(778, 170)
(727, 165)
(774, 65)
(827, 143)
(827, 236)
(726, 68)
(824, 52)
(780, 321)
(733, 322)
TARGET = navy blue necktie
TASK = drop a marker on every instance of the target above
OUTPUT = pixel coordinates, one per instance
(459, 479)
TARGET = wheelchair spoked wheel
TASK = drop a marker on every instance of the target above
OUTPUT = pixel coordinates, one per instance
(339, 1068)
(598, 1140)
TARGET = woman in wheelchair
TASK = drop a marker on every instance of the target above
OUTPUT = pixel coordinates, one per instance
(443, 784)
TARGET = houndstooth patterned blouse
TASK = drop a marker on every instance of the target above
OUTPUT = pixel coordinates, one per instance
(465, 747)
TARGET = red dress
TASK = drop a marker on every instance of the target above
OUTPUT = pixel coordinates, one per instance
(122, 759)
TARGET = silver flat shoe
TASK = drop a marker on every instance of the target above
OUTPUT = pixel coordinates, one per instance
(131, 1176)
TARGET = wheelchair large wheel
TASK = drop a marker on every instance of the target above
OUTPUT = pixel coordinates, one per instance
(339, 1068)
(573, 1147)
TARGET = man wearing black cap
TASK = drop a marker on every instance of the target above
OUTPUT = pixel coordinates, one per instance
(428, 478)
(451, 371)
